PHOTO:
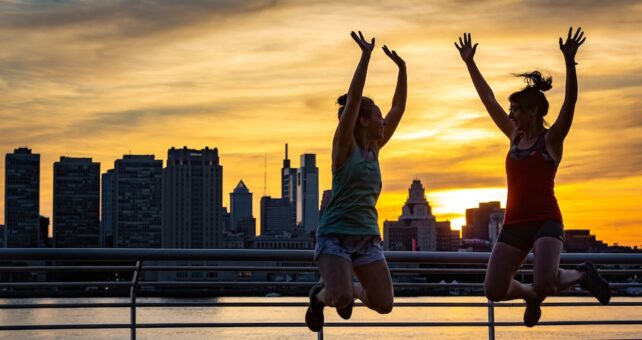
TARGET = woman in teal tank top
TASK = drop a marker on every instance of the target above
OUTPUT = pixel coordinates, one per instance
(348, 238)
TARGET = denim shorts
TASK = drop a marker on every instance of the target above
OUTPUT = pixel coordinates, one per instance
(358, 250)
(524, 235)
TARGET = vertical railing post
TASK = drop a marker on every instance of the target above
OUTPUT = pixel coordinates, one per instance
(491, 320)
(132, 299)
(320, 334)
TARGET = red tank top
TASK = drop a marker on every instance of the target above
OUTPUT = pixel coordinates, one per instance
(531, 178)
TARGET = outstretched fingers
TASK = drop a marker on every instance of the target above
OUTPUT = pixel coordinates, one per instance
(387, 51)
(355, 37)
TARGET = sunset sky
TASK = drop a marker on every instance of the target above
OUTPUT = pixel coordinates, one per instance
(102, 79)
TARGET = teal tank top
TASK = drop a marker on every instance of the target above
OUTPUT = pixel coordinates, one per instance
(355, 190)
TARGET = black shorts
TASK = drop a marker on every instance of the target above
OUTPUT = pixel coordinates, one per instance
(524, 235)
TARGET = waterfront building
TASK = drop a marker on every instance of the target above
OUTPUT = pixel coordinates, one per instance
(76, 203)
(581, 241)
(241, 210)
(416, 228)
(192, 199)
(478, 219)
(107, 210)
(277, 216)
(136, 202)
(22, 199)
(307, 200)
(447, 239)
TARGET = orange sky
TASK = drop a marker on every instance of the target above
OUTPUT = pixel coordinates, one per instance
(94, 79)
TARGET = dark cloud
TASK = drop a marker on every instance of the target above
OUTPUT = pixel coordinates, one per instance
(122, 17)
(102, 124)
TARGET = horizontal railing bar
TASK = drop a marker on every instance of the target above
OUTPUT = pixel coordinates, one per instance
(286, 284)
(462, 271)
(234, 284)
(66, 305)
(65, 268)
(301, 324)
(64, 284)
(301, 304)
(135, 254)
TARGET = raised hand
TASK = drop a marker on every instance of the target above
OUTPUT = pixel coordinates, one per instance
(365, 46)
(393, 55)
(466, 48)
(569, 48)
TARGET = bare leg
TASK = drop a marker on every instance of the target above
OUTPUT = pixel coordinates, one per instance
(375, 288)
(548, 278)
(338, 290)
(499, 284)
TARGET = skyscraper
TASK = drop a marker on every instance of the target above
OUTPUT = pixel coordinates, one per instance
(136, 205)
(192, 199)
(76, 201)
(107, 210)
(289, 182)
(307, 202)
(22, 199)
(277, 216)
(286, 175)
(241, 210)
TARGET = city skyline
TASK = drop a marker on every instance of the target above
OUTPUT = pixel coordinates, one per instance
(105, 81)
(107, 200)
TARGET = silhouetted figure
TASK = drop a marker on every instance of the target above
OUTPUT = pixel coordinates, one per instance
(348, 239)
(533, 219)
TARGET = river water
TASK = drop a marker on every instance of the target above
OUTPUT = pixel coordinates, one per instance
(295, 314)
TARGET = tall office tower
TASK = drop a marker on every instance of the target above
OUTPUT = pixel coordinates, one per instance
(307, 203)
(277, 216)
(241, 209)
(477, 221)
(107, 210)
(288, 182)
(286, 175)
(416, 228)
(22, 199)
(192, 199)
(76, 203)
(136, 207)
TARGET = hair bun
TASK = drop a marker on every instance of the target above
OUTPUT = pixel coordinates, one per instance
(536, 81)
(342, 100)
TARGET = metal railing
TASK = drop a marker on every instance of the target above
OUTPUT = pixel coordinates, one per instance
(102, 261)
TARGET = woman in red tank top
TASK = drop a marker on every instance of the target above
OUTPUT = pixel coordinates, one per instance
(533, 219)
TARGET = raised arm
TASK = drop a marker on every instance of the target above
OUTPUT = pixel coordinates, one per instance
(559, 130)
(398, 100)
(496, 112)
(343, 142)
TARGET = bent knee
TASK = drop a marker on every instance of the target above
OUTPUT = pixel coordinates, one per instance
(494, 293)
(384, 308)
